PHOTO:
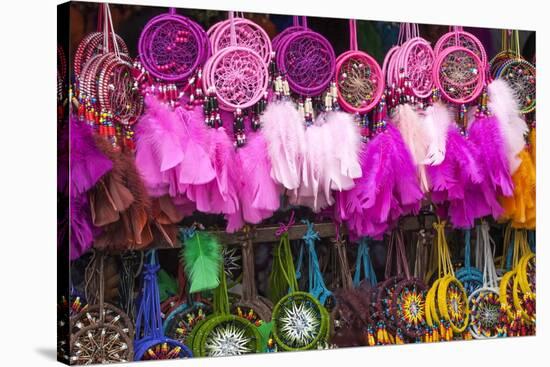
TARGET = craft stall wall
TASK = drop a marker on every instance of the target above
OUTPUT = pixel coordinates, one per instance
(234, 183)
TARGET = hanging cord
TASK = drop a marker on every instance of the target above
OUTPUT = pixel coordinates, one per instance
(353, 35)
(282, 278)
(250, 292)
(396, 244)
(487, 244)
(317, 286)
(364, 262)
(148, 319)
(233, 36)
(422, 255)
(131, 264)
(346, 281)
(444, 264)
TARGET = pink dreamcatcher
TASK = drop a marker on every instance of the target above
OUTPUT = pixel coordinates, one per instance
(459, 74)
(359, 79)
(246, 34)
(408, 66)
(237, 76)
(458, 37)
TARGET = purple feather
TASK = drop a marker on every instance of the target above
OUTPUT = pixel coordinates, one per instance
(87, 163)
(82, 229)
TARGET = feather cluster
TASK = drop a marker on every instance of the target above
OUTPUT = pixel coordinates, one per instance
(387, 189)
(312, 162)
(87, 166)
(520, 208)
(504, 105)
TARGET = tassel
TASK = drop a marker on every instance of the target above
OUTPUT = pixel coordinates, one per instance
(504, 105)
(521, 207)
(284, 133)
(415, 137)
(202, 257)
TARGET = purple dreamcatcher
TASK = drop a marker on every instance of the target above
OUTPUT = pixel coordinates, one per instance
(171, 47)
(307, 61)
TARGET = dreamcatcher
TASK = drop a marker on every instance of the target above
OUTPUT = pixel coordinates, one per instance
(458, 37)
(100, 333)
(485, 308)
(447, 310)
(407, 67)
(519, 73)
(300, 322)
(359, 78)
(401, 298)
(251, 306)
(107, 94)
(223, 334)
(518, 286)
(150, 341)
(306, 60)
(470, 276)
(459, 69)
(237, 77)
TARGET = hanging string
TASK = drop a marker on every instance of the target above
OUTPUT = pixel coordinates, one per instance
(353, 35)
(317, 286)
(148, 319)
(233, 36)
(444, 266)
(282, 278)
(364, 262)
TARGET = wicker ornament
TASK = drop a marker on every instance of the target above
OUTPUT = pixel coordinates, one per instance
(100, 333)
(171, 47)
(359, 78)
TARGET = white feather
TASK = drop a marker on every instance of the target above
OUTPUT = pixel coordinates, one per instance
(437, 120)
(283, 130)
(504, 105)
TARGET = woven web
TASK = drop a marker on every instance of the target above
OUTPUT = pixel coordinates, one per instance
(125, 101)
(248, 36)
(357, 82)
(308, 63)
(521, 76)
(419, 68)
(239, 77)
(459, 75)
(463, 41)
(172, 48)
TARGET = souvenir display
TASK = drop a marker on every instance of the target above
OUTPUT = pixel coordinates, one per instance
(236, 186)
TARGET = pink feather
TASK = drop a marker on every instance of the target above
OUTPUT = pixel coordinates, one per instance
(259, 194)
(436, 122)
(504, 105)
(412, 129)
(283, 130)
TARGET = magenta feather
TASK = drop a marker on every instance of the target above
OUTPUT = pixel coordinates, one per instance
(283, 130)
(87, 163)
(258, 193)
(387, 189)
(82, 229)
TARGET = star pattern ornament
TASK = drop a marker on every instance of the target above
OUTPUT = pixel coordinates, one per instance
(231, 261)
(227, 340)
(485, 314)
(299, 324)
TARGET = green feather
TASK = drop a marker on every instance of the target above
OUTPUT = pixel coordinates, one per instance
(168, 286)
(265, 331)
(202, 258)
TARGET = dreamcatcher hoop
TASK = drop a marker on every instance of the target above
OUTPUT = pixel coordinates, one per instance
(484, 302)
(417, 58)
(359, 79)
(521, 76)
(247, 34)
(171, 47)
(90, 46)
(459, 37)
(459, 74)
(307, 60)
